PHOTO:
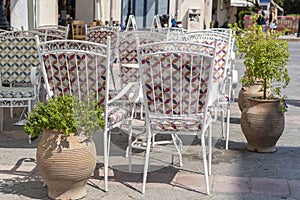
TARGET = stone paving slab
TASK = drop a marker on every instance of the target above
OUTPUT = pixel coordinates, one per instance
(25, 183)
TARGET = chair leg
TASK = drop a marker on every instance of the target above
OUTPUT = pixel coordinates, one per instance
(222, 121)
(178, 149)
(205, 164)
(105, 158)
(130, 145)
(1, 119)
(209, 148)
(141, 111)
(29, 110)
(11, 112)
(147, 157)
(153, 140)
(227, 128)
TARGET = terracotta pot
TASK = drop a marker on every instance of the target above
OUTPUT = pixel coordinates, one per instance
(251, 90)
(262, 124)
(65, 163)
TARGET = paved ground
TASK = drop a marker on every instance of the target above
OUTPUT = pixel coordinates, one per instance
(236, 173)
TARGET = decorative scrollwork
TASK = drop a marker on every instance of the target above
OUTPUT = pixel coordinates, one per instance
(63, 45)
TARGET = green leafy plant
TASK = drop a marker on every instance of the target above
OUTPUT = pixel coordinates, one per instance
(265, 57)
(66, 114)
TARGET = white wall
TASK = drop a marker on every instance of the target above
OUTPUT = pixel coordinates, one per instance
(46, 12)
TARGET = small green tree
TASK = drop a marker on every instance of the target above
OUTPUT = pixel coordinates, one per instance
(265, 57)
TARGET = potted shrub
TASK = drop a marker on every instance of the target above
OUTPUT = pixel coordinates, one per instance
(265, 57)
(66, 154)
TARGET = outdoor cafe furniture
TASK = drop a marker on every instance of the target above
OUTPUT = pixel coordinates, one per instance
(81, 68)
(53, 32)
(176, 80)
(99, 34)
(78, 27)
(19, 73)
(224, 75)
(128, 63)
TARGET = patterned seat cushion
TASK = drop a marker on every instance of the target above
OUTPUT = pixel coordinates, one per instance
(177, 124)
(16, 92)
(117, 114)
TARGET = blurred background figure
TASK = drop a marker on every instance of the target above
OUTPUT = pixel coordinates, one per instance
(272, 19)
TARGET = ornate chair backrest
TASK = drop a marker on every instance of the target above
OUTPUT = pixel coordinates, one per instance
(77, 68)
(18, 55)
(22, 33)
(127, 46)
(54, 32)
(99, 34)
(176, 80)
(173, 33)
(222, 43)
(228, 33)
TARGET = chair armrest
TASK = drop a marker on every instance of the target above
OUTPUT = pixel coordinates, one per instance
(34, 76)
(131, 89)
(234, 76)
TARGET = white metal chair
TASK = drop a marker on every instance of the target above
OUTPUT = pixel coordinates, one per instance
(54, 32)
(19, 73)
(99, 34)
(176, 81)
(81, 68)
(21, 33)
(224, 76)
(128, 59)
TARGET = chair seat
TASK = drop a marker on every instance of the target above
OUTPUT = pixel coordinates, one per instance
(117, 114)
(16, 92)
(179, 124)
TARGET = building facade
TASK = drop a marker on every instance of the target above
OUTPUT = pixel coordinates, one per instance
(194, 14)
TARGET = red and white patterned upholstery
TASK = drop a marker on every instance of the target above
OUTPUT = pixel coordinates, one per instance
(222, 75)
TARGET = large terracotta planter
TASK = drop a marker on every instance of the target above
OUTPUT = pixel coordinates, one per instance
(65, 163)
(262, 124)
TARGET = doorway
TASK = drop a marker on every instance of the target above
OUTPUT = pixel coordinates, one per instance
(143, 11)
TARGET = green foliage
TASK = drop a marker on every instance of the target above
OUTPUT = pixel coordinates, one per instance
(265, 57)
(66, 114)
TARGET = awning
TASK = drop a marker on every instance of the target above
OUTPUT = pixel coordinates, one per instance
(240, 3)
